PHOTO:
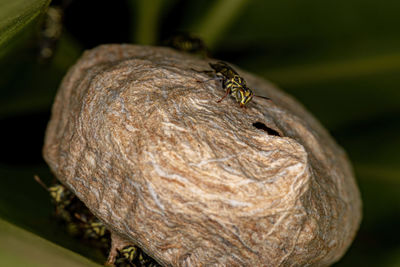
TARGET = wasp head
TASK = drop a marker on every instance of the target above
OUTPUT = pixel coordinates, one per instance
(244, 95)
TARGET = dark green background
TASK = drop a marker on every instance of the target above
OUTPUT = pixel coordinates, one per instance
(341, 59)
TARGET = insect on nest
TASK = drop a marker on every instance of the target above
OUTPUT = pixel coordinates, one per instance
(232, 83)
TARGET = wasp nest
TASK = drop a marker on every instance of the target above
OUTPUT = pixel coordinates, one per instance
(136, 133)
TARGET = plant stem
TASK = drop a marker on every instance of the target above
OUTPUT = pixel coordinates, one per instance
(146, 13)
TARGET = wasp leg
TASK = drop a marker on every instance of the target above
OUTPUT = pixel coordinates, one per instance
(203, 71)
(226, 94)
(209, 73)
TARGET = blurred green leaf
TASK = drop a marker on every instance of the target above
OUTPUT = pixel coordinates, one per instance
(288, 29)
(373, 144)
(26, 85)
(29, 86)
(327, 71)
(22, 248)
(393, 259)
(15, 15)
(342, 102)
(380, 187)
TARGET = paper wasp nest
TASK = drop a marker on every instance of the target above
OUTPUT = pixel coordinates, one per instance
(137, 135)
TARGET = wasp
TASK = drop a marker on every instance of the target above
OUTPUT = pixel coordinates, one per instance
(132, 256)
(232, 83)
(94, 230)
(126, 256)
(51, 29)
(59, 193)
(187, 42)
(66, 205)
(79, 221)
(50, 33)
(147, 261)
(64, 200)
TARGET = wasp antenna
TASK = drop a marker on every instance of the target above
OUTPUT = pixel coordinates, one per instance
(264, 97)
(212, 79)
(196, 70)
(220, 62)
(39, 181)
(202, 71)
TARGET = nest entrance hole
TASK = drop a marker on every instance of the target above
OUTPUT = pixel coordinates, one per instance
(262, 126)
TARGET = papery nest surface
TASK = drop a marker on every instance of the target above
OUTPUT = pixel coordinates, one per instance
(136, 133)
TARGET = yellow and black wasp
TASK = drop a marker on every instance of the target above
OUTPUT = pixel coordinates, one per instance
(133, 256)
(64, 200)
(232, 83)
(126, 256)
(94, 228)
(79, 221)
(94, 231)
(59, 193)
(147, 261)
(187, 42)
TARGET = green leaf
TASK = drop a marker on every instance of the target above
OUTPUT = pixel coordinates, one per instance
(29, 86)
(15, 15)
(20, 248)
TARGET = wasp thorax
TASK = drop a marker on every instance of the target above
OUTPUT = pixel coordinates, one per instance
(194, 182)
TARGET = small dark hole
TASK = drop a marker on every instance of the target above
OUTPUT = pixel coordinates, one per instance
(262, 126)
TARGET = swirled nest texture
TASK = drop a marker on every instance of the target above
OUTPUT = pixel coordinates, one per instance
(136, 133)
